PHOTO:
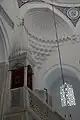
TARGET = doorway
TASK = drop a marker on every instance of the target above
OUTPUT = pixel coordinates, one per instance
(17, 78)
(29, 77)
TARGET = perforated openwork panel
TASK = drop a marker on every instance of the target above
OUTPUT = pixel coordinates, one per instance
(42, 110)
(37, 109)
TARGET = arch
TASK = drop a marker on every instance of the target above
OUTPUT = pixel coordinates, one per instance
(68, 70)
(29, 77)
(65, 18)
(5, 39)
(28, 6)
(32, 5)
(33, 13)
(29, 68)
(17, 65)
(54, 90)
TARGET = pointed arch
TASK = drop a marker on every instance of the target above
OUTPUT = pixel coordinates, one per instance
(5, 39)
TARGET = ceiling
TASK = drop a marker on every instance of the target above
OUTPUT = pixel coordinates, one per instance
(39, 24)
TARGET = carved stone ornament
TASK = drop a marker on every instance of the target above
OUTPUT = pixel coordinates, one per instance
(73, 13)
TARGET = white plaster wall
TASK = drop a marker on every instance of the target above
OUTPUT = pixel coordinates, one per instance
(19, 39)
(1, 78)
(2, 67)
(11, 8)
(7, 31)
(2, 50)
(70, 55)
(3, 73)
(55, 92)
(3, 57)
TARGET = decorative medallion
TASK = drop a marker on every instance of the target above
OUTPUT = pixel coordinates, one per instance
(73, 13)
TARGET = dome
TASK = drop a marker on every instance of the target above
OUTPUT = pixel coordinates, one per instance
(39, 24)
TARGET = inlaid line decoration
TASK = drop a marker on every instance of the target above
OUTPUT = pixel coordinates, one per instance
(72, 13)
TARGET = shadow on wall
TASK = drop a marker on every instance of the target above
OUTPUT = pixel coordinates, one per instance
(1, 77)
(2, 49)
(2, 64)
(53, 83)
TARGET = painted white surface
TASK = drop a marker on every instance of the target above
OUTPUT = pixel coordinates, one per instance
(55, 92)
(7, 32)
(2, 50)
(69, 55)
(11, 9)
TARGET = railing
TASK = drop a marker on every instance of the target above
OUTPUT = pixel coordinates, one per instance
(14, 101)
(44, 96)
(23, 99)
(44, 111)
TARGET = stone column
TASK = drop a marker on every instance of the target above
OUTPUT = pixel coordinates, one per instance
(9, 80)
(4, 85)
(25, 76)
(35, 80)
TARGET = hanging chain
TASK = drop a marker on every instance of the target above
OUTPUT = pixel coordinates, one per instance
(57, 40)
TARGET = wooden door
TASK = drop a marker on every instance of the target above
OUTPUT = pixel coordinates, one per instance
(17, 78)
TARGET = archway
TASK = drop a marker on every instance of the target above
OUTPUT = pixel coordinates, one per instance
(29, 77)
(56, 73)
(53, 81)
(17, 77)
(3, 60)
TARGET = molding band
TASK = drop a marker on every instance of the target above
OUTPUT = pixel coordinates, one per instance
(6, 17)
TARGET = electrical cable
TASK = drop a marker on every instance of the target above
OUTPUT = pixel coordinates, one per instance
(58, 47)
(59, 53)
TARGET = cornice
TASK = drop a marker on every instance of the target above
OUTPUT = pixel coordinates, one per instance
(22, 56)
